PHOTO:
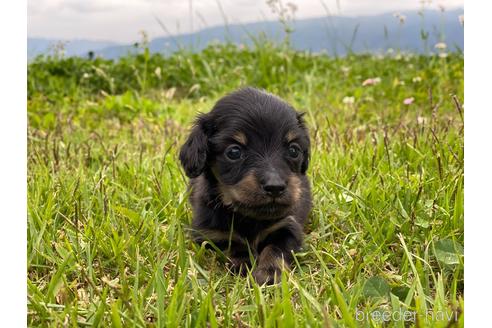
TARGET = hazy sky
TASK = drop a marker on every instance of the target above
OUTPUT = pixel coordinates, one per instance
(121, 20)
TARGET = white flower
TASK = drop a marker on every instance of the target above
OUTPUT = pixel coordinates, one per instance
(371, 81)
(348, 100)
(443, 55)
(440, 46)
(421, 120)
(417, 79)
(408, 101)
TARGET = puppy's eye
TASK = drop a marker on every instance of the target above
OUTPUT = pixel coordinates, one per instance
(233, 153)
(294, 150)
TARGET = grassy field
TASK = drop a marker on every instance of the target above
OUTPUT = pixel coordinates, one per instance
(108, 210)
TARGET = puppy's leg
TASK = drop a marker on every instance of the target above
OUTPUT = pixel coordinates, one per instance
(233, 246)
(276, 256)
(276, 244)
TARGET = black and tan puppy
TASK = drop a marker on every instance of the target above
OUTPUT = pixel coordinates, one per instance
(247, 160)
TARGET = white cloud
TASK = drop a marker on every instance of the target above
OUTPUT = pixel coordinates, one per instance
(122, 20)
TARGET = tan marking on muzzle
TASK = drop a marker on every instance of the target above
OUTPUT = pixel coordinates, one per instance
(295, 188)
(243, 191)
(226, 195)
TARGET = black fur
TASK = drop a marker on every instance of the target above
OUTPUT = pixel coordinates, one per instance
(256, 204)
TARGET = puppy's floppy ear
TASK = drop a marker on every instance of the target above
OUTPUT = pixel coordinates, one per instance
(193, 154)
(306, 152)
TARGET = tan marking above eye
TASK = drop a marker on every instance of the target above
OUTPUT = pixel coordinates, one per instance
(240, 138)
(291, 135)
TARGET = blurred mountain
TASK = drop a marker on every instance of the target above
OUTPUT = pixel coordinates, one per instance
(38, 46)
(335, 35)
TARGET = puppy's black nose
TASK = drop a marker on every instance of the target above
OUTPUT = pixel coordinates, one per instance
(274, 185)
(274, 190)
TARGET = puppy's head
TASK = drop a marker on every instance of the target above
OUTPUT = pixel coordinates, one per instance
(256, 146)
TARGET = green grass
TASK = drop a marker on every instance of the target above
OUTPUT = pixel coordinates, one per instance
(108, 208)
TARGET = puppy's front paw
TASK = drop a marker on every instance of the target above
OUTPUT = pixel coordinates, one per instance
(269, 274)
(271, 262)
